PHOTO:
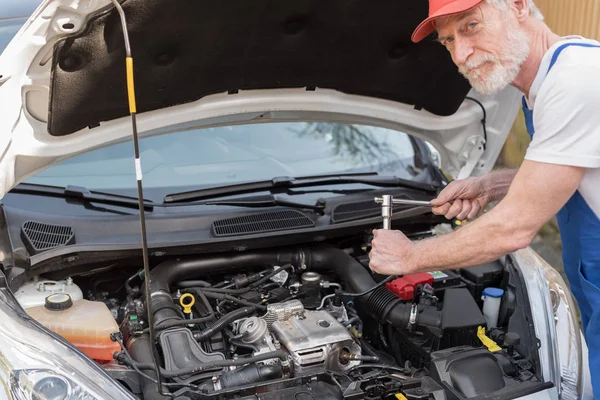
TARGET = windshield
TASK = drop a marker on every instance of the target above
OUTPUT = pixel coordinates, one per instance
(13, 14)
(242, 153)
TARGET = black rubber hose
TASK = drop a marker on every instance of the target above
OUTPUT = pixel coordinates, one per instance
(164, 309)
(252, 286)
(131, 291)
(270, 275)
(223, 322)
(244, 376)
(371, 351)
(221, 296)
(184, 322)
(193, 283)
(215, 364)
(205, 302)
(376, 366)
(140, 350)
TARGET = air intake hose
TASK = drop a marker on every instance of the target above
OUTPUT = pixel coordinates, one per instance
(250, 374)
(140, 349)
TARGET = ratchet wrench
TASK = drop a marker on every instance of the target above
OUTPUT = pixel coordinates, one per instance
(387, 202)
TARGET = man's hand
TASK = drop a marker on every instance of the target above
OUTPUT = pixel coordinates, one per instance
(461, 199)
(391, 253)
(466, 198)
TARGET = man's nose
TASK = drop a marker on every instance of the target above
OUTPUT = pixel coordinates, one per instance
(462, 51)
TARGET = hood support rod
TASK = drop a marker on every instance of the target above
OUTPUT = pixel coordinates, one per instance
(140, 190)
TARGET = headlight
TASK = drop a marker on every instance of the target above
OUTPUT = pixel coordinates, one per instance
(568, 338)
(36, 366)
(556, 324)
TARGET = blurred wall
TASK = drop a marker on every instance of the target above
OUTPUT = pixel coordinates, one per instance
(579, 17)
(564, 17)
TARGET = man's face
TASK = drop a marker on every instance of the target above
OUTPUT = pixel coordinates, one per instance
(487, 44)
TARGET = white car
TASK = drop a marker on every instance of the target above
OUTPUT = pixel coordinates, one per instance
(266, 131)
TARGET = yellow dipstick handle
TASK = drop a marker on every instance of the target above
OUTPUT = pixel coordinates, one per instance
(487, 342)
(400, 396)
(130, 85)
(187, 306)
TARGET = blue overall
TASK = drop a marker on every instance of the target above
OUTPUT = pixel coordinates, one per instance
(580, 235)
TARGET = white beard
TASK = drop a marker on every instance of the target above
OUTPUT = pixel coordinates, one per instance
(503, 70)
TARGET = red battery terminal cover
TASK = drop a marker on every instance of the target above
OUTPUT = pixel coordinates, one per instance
(405, 287)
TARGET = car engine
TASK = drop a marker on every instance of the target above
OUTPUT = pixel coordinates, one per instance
(313, 322)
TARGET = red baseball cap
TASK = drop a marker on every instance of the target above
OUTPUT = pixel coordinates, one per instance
(440, 8)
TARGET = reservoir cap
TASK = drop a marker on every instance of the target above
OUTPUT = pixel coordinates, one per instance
(492, 292)
(58, 302)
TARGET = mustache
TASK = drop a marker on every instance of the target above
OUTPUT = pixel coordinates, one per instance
(473, 63)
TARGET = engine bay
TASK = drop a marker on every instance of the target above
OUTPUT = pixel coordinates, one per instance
(309, 322)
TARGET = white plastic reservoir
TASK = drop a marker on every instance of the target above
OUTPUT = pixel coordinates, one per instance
(34, 293)
(492, 297)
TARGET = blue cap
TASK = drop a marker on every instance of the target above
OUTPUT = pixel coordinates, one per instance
(493, 292)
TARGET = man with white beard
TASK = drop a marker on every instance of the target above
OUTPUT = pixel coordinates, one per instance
(496, 43)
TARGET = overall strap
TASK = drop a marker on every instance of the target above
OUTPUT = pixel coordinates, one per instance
(529, 113)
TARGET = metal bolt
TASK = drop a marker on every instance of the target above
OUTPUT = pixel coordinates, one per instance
(41, 287)
(69, 281)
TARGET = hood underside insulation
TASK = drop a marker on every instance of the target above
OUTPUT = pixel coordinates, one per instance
(185, 50)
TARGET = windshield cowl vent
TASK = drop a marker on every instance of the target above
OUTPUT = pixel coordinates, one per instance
(262, 223)
(40, 236)
(360, 210)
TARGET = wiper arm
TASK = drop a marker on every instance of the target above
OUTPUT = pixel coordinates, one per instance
(284, 182)
(82, 195)
(266, 201)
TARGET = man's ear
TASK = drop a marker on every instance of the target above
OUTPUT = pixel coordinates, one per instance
(520, 8)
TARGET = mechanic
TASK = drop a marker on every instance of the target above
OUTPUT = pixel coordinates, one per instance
(496, 43)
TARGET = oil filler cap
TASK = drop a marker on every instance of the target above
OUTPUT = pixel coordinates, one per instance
(58, 302)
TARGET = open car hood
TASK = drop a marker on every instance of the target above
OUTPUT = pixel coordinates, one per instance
(205, 63)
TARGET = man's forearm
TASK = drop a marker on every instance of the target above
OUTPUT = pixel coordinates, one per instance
(483, 240)
(497, 183)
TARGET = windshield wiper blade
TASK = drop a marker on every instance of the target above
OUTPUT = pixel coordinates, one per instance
(82, 195)
(285, 182)
(267, 201)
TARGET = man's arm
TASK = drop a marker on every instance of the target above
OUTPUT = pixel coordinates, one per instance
(465, 198)
(497, 183)
(537, 193)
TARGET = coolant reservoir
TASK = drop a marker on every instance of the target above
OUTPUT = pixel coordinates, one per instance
(85, 324)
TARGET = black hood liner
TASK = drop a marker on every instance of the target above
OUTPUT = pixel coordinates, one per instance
(184, 50)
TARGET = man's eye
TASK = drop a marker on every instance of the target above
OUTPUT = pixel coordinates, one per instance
(473, 25)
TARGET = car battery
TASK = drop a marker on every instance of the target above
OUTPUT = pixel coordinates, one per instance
(443, 280)
(404, 287)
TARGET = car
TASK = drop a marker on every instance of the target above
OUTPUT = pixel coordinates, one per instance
(188, 197)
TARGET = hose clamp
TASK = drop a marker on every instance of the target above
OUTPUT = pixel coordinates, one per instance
(216, 383)
(413, 317)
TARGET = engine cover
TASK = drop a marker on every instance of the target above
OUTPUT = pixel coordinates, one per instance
(315, 340)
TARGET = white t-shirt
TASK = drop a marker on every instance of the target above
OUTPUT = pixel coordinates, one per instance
(566, 117)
